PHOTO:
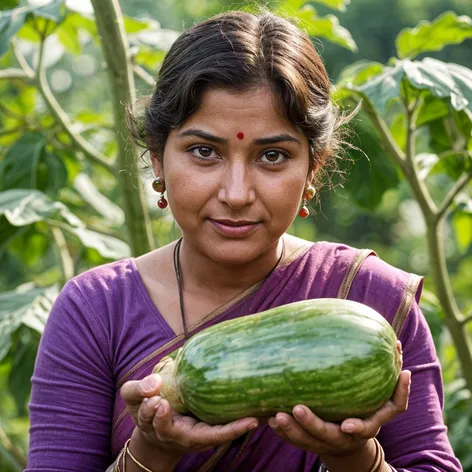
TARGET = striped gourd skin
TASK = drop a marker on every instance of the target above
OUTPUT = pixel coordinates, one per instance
(337, 357)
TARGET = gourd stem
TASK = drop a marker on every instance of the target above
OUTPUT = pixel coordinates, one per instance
(170, 390)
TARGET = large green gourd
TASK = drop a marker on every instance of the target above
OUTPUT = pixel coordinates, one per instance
(338, 357)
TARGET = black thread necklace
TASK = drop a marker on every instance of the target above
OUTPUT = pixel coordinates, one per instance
(178, 276)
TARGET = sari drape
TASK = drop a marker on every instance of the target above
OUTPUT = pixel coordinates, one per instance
(124, 336)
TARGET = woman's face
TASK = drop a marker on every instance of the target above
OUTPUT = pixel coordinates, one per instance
(235, 173)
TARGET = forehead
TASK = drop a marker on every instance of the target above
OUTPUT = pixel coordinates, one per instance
(253, 111)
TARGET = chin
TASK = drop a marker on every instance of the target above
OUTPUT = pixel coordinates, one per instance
(233, 251)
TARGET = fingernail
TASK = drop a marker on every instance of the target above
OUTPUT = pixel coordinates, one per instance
(299, 412)
(252, 426)
(272, 423)
(150, 383)
(160, 409)
(282, 421)
(349, 427)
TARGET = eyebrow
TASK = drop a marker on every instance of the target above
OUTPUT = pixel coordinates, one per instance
(279, 138)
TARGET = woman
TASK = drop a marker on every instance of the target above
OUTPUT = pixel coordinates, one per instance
(240, 128)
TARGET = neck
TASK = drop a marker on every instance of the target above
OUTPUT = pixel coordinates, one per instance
(201, 272)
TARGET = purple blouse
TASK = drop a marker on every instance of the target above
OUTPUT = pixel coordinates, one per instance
(104, 330)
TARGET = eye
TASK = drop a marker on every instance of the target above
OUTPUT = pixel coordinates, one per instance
(203, 152)
(273, 157)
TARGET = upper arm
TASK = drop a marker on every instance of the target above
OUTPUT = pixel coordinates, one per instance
(72, 395)
(417, 439)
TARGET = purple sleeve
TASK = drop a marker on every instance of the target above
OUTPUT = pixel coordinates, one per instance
(417, 439)
(72, 396)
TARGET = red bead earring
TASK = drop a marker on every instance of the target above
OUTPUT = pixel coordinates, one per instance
(159, 186)
(308, 194)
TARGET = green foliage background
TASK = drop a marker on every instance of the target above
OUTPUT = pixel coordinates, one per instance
(41, 163)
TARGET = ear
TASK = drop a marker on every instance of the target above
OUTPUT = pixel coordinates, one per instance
(311, 173)
(157, 165)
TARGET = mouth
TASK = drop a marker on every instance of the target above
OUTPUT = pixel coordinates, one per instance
(235, 223)
(234, 228)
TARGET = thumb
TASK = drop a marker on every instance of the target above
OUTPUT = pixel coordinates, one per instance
(134, 391)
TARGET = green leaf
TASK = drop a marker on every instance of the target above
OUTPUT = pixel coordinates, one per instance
(453, 164)
(359, 72)
(19, 168)
(149, 57)
(89, 192)
(26, 305)
(339, 5)
(462, 222)
(68, 35)
(398, 130)
(448, 81)
(383, 88)
(23, 207)
(446, 29)
(327, 27)
(289, 6)
(133, 25)
(431, 109)
(11, 21)
(434, 315)
(23, 359)
(28, 164)
(9, 4)
(107, 246)
(373, 172)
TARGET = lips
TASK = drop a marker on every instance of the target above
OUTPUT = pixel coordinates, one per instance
(234, 228)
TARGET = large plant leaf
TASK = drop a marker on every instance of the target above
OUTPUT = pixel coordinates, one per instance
(11, 21)
(26, 305)
(449, 81)
(23, 207)
(24, 355)
(19, 168)
(383, 88)
(327, 27)
(446, 29)
(107, 246)
(462, 223)
(373, 172)
(290, 5)
(109, 210)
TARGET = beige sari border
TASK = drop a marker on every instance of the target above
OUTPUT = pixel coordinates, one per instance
(351, 273)
(409, 294)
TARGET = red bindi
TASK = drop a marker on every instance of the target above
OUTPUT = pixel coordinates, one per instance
(240, 135)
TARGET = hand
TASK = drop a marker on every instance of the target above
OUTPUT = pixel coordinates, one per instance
(169, 431)
(306, 431)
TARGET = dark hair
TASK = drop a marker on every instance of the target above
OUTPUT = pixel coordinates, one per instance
(240, 50)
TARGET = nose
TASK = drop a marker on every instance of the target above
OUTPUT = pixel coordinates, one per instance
(237, 188)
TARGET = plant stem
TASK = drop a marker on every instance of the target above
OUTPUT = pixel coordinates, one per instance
(14, 451)
(144, 75)
(454, 319)
(12, 73)
(453, 192)
(66, 260)
(62, 117)
(117, 55)
(437, 254)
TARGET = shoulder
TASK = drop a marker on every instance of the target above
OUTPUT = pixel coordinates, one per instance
(92, 296)
(386, 288)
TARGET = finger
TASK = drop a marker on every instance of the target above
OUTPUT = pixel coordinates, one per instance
(329, 433)
(289, 429)
(163, 422)
(397, 404)
(134, 391)
(146, 413)
(206, 435)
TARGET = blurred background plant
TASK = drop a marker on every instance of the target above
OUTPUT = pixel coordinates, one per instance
(74, 195)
